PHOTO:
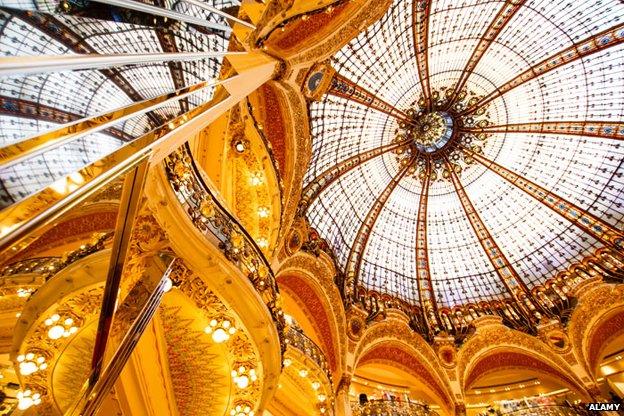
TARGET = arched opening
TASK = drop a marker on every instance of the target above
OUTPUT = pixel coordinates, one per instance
(392, 375)
(511, 379)
(605, 354)
(311, 311)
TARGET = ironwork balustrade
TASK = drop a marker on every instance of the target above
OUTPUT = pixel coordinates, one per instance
(392, 408)
(49, 266)
(209, 215)
(551, 410)
(297, 339)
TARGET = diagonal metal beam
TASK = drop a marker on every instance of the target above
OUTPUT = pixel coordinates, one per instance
(128, 209)
(423, 271)
(507, 274)
(504, 15)
(163, 12)
(354, 261)
(326, 178)
(143, 301)
(578, 50)
(420, 13)
(221, 13)
(590, 224)
(587, 128)
(24, 149)
(17, 107)
(64, 35)
(24, 65)
(347, 89)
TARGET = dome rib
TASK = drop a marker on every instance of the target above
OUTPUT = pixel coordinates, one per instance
(590, 224)
(426, 293)
(586, 128)
(354, 260)
(505, 271)
(586, 47)
(420, 15)
(329, 176)
(504, 15)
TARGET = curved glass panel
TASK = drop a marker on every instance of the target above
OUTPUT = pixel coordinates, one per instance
(470, 208)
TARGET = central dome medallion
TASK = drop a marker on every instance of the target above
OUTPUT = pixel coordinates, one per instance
(431, 132)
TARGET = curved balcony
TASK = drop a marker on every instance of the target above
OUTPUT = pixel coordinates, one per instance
(209, 215)
(392, 408)
(297, 339)
(550, 410)
(46, 267)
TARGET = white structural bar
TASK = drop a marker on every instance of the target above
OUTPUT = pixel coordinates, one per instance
(160, 11)
(21, 65)
(35, 145)
(214, 10)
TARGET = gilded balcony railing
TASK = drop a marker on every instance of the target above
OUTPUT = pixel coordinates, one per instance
(391, 408)
(209, 215)
(48, 266)
(36, 208)
(551, 410)
(297, 339)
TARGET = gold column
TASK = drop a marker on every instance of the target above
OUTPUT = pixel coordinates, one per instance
(342, 404)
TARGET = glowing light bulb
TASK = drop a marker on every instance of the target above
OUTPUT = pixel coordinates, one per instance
(303, 373)
(219, 336)
(26, 399)
(263, 212)
(25, 403)
(168, 285)
(56, 332)
(240, 146)
(256, 179)
(316, 385)
(242, 382)
(27, 368)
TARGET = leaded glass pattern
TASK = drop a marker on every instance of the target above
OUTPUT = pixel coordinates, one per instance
(39, 102)
(536, 241)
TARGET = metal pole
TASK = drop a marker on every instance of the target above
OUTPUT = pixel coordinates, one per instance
(28, 148)
(160, 11)
(128, 209)
(96, 388)
(214, 10)
(24, 65)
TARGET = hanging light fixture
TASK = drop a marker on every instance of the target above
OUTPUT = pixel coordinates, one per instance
(31, 363)
(26, 399)
(60, 328)
(242, 409)
(221, 329)
(243, 376)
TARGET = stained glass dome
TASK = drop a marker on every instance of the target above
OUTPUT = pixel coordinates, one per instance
(486, 155)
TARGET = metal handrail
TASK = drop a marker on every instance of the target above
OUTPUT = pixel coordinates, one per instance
(48, 266)
(297, 339)
(383, 407)
(552, 410)
(210, 216)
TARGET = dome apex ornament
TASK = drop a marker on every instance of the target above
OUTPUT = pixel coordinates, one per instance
(440, 135)
(430, 132)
